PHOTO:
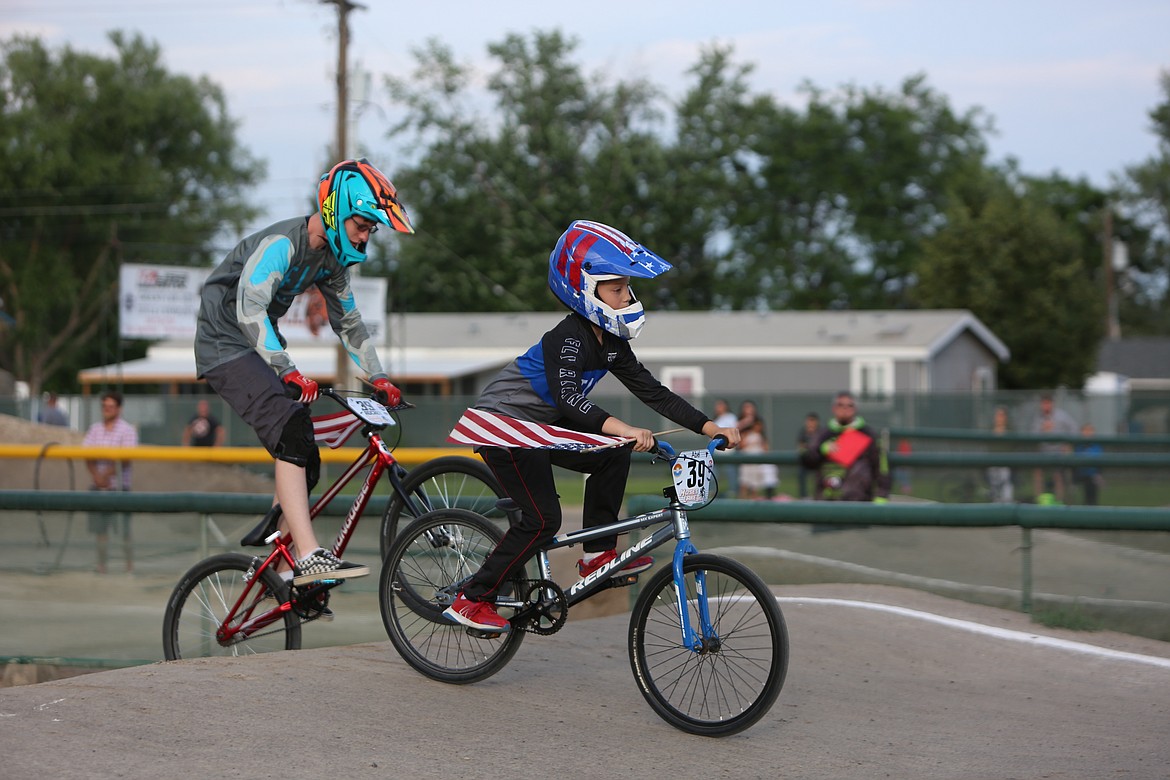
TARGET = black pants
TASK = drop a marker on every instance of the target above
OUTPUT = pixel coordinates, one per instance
(526, 476)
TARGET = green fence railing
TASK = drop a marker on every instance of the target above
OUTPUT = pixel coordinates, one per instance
(1024, 516)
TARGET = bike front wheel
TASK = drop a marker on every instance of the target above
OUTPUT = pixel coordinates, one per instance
(443, 483)
(420, 576)
(205, 600)
(732, 679)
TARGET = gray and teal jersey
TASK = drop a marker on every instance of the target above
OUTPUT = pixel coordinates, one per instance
(255, 285)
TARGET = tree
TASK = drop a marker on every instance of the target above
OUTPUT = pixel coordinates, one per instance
(1011, 260)
(845, 192)
(706, 186)
(106, 161)
(1144, 199)
(490, 196)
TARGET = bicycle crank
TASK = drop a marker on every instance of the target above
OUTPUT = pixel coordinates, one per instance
(308, 603)
(545, 610)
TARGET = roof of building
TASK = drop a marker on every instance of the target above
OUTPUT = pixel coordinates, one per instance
(438, 347)
(919, 333)
(1136, 358)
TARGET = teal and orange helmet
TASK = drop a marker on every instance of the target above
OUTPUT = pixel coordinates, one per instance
(354, 187)
(590, 252)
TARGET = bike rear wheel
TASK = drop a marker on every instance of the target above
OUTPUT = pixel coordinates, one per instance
(202, 599)
(730, 683)
(438, 550)
(449, 482)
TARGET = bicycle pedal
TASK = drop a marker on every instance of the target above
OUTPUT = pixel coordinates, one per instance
(623, 581)
(481, 634)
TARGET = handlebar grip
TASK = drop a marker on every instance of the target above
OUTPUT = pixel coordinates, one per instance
(663, 450)
(720, 442)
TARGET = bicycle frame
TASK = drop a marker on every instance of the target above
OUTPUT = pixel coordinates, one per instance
(707, 642)
(378, 459)
(675, 526)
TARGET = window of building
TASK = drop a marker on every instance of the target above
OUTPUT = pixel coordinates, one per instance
(872, 378)
(982, 380)
(687, 381)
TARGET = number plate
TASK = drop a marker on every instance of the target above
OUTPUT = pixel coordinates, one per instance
(692, 476)
(370, 410)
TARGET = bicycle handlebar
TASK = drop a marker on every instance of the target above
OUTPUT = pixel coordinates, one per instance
(294, 392)
(663, 449)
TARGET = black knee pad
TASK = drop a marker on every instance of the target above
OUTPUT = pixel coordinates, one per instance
(313, 469)
(297, 446)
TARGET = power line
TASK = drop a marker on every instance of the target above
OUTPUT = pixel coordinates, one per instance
(82, 209)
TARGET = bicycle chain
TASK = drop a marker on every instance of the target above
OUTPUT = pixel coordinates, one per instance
(546, 610)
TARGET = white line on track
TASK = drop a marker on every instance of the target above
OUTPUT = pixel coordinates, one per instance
(978, 628)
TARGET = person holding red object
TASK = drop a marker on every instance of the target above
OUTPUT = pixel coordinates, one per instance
(240, 352)
(851, 462)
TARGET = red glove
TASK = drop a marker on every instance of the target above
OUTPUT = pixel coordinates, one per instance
(385, 392)
(307, 386)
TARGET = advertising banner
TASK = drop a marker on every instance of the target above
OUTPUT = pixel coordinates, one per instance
(162, 302)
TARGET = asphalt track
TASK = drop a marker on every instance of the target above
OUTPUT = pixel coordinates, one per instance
(883, 683)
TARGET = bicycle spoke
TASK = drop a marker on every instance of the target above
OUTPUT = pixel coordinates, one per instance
(437, 551)
(203, 600)
(731, 679)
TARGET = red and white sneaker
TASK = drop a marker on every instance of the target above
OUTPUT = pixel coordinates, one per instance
(639, 564)
(475, 614)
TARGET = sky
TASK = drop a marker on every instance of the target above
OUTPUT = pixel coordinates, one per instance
(1068, 83)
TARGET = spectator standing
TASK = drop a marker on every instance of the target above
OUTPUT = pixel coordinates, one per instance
(1088, 477)
(110, 431)
(848, 457)
(902, 473)
(1050, 483)
(728, 476)
(748, 414)
(757, 480)
(51, 413)
(999, 478)
(805, 437)
(203, 430)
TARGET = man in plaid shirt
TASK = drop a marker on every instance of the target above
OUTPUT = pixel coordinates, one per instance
(111, 431)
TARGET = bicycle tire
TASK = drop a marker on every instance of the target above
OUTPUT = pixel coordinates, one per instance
(722, 690)
(441, 548)
(452, 481)
(202, 598)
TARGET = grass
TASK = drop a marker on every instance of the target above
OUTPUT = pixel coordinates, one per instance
(1072, 618)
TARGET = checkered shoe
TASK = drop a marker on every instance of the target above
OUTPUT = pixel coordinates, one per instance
(321, 565)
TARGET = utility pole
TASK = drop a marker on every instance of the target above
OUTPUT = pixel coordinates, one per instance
(342, 372)
(1110, 253)
(343, 9)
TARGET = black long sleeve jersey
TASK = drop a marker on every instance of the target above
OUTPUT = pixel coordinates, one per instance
(550, 383)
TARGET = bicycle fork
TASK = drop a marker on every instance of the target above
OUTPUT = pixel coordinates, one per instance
(705, 639)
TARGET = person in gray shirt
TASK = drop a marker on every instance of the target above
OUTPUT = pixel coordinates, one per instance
(1049, 483)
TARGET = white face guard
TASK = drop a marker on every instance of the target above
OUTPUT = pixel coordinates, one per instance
(626, 322)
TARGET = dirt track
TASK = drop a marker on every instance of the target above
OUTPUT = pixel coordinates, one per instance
(869, 694)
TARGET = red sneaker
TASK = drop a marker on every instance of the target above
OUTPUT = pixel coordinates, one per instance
(475, 614)
(639, 564)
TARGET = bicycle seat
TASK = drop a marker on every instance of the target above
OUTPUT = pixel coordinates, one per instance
(265, 529)
(510, 509)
